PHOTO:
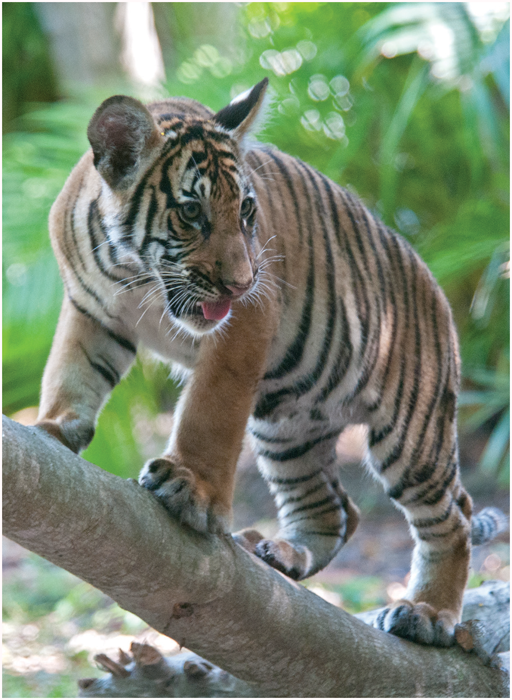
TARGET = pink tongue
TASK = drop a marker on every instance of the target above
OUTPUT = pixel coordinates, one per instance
(215, 310)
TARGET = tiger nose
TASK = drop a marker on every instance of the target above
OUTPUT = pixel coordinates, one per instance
(237, 290)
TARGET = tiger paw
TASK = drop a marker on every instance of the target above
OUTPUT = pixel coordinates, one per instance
(184, 495)
(248, 539)
(418, 622)
(72, 433)
(294, 560)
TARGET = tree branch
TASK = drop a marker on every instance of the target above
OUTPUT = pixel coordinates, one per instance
(209, 594)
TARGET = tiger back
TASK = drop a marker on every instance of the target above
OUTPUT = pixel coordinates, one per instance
(290, 311)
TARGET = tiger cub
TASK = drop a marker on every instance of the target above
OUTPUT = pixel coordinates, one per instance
(290, 311)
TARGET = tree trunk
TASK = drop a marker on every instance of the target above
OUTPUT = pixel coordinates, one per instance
(209, 594)
(83, 42)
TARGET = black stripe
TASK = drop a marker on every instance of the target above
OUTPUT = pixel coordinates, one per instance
(120, 340)
(330, 270)
(372, 340)
(165, 185)
(305, 384)
(308, 506)
(435, 450)
(72, 211)
(293, 480)
(295, 351)
(441, 492)
(93, 216)
(341, 362)
(85, 287)
(344, 356)
(274, 440)
(384, 242)
(407, 479)
(150, 215)
(300, 450)
(88, 290)
(396, 453)
(109, 377)
(277, 207)
(313, 516)
(438, 486)
(68, 254)
(358, 284)
(297, 499)
(435, 398)
(373, 354)
(219, 137)
(111, 368)
(430, 522)
(351, 203)
(195, 159)
(376, 437)
(428, 536)
(141, 188)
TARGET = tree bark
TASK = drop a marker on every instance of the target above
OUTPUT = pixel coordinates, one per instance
(209, 594)
(146, 673)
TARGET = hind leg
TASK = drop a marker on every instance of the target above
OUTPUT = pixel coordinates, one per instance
(316, 516)
(424, 483)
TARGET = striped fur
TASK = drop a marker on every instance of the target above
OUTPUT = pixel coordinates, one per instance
(290, 309)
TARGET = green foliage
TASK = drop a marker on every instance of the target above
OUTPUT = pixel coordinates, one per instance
(490, 405)
(53, 624)
(36, 162)
(404, 103)
(28, 74)
(355, 594)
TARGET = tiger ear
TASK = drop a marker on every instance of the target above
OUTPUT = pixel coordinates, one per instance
(121, 132)
(240, 114)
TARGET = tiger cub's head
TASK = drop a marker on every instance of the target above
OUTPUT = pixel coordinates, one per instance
(177, 200)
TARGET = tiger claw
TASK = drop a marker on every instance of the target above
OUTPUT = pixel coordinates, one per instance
(292, 560)
(419, 623)
(176, 488)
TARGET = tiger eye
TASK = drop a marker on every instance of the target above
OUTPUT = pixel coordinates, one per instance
(190, 211)
(247, 208)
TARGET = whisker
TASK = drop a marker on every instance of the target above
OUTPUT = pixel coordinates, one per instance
(145, 311)
(265, 246)
(255, 170)
(99, 245)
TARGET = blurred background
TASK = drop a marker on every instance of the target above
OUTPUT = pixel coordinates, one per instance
(405, 104)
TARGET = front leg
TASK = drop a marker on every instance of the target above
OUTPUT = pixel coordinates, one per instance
(194, 479)
(86, 361)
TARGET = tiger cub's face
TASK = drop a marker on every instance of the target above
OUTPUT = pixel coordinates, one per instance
(187, 209)
(203, 210)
